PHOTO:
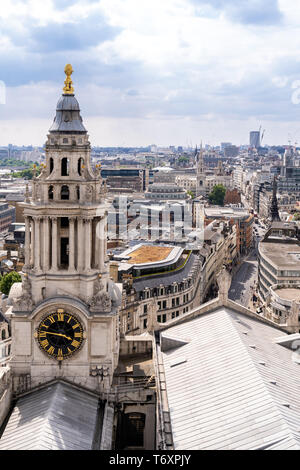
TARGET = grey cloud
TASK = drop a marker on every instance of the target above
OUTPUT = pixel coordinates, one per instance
(248, 12)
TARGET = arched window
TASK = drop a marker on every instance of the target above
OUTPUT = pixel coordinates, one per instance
(80, 163)
(50, 192)
(78, 192)
(3, 335)
(51, 164)
(65, 167)
(65, 193)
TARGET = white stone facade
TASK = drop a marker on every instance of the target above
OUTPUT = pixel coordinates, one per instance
(66, 265)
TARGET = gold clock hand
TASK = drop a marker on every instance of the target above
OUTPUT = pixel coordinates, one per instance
(58, 334)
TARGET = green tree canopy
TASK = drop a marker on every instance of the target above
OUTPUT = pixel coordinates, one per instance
(27, 173)
(297, 216)
(217, 195)
(190, 193)
(8, 280)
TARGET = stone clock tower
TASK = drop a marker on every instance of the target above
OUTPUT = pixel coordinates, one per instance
(200, 185)
(64, 314)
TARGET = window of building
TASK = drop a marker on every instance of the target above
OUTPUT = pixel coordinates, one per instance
(65, 193)
(64, 252)
(134, 424)
(65, 167)
(79, 165)
(64, 222)
(50, 193)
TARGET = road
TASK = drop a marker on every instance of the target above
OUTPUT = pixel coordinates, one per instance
(243, 281)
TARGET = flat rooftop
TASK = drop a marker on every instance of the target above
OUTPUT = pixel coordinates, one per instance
(288, 293)
(148, 254)
(145, 255)
(226, 212)
(281, 255)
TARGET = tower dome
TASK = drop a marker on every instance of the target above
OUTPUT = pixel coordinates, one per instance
(68, 117)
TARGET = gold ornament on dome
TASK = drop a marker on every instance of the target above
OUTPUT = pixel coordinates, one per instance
(68, 89)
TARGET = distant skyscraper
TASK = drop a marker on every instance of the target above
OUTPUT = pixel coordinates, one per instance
(255, 139)
(225, 144)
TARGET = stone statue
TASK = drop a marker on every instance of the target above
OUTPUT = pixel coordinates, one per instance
(100, 300)
(22, 301)
(98, 170)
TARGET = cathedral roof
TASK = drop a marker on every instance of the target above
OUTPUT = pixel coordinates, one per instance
(230, 384)
(56, 417)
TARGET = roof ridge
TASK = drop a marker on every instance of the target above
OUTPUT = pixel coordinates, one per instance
(46, 424)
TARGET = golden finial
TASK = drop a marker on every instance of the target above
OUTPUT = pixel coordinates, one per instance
(68, 89)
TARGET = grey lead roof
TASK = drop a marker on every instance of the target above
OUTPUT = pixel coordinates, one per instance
(56, 417)
(231, 386)
(68, 117)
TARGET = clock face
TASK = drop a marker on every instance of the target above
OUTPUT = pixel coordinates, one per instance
(60, 334)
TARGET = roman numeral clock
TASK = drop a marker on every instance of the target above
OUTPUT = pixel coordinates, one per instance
(60, 334)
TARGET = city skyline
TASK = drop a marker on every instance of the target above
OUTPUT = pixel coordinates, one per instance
(171, 74)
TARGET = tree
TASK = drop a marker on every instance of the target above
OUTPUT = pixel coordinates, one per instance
(217, 195)
(190, 193)
(27, 174)
(8, 280)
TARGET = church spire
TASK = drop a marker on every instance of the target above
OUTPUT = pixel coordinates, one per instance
(274, 205)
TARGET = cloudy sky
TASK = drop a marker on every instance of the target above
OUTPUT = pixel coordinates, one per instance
(169, 72)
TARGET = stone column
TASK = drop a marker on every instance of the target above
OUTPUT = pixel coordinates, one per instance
(27, 241)
(54, 244)
(37, 247)
(72, 243)
(101, 243)
(80, 243)
(105, 256)
(46, 240)
(96, 247)
(31, 241)
(87, 242)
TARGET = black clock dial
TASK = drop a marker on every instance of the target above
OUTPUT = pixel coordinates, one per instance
(60, 334)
